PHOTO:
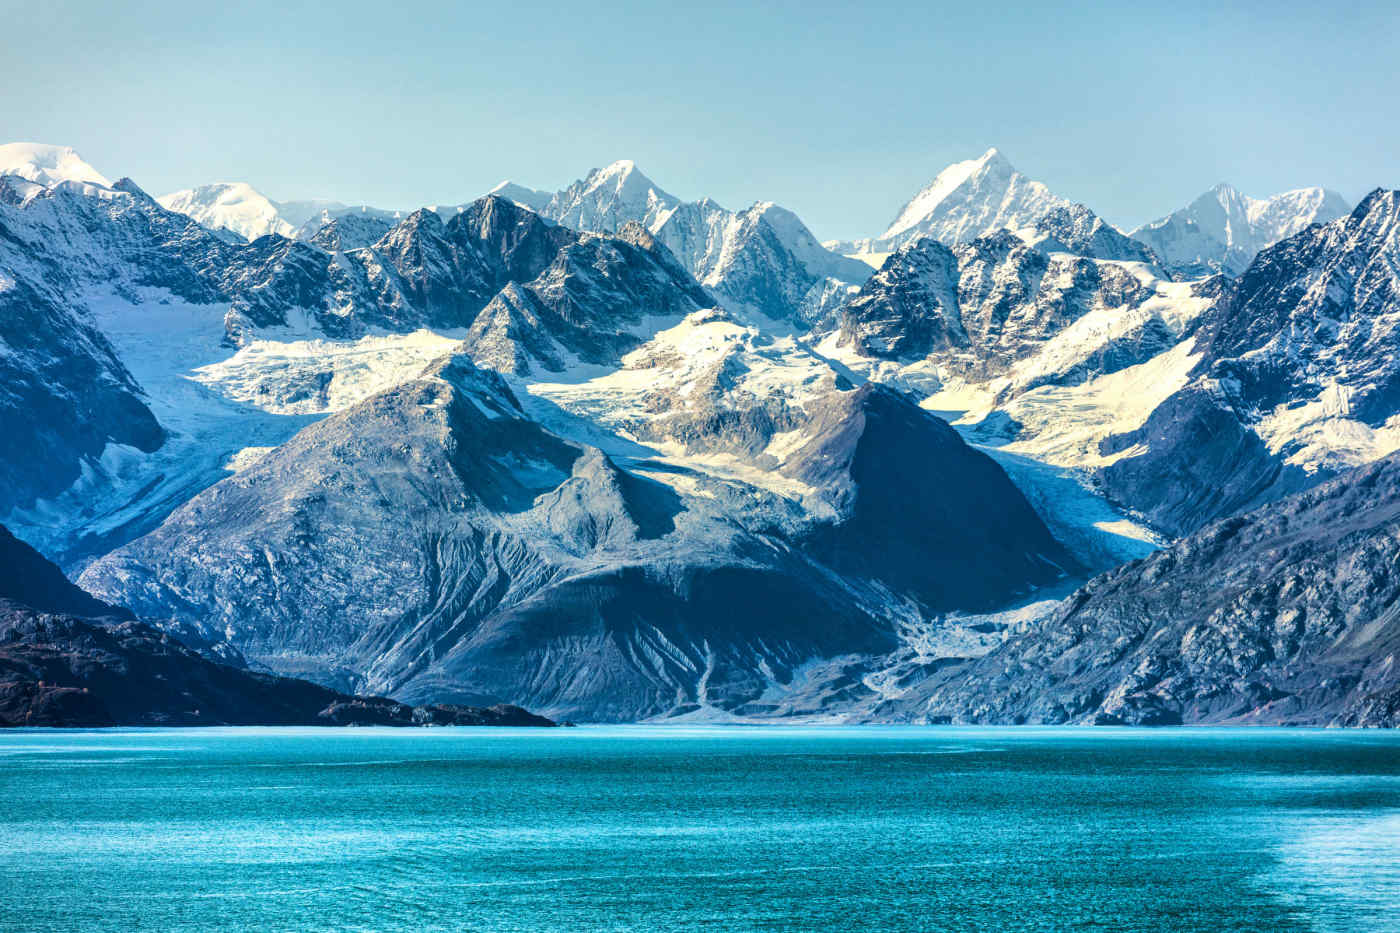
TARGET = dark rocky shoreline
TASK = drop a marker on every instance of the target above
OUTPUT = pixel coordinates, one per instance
(69, 660)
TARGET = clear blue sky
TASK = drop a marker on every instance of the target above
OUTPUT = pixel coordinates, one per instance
(838, 111)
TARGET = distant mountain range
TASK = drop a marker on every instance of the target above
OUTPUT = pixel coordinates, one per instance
(1221, 231)
(608, 454)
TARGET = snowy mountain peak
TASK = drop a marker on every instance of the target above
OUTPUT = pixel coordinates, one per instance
(1379, 214)
(628, 182)
(608, 197)
(622, 168)
(532, 198)
(969, 199)
(234, 206)
(1223, 229)
(130, 187)
(48, 165)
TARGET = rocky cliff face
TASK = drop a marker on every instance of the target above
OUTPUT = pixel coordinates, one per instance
(66, 395)
(978, 309)
(1288, 614)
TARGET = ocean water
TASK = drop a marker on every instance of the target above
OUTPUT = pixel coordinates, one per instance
(639, 828)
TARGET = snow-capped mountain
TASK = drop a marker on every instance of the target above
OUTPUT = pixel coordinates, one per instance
(47, 165)
(1298, 378)
(537, 201)
(969, 199)
(1185, 401)
(233, 206)
(127, 310)
(1223, 230)
(606, 199)
(340, 227)
(240, 209)
(760, 260)
(239, 346)
(999, 313)
(982, 196)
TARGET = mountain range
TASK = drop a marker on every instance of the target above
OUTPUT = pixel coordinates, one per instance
(608, 454)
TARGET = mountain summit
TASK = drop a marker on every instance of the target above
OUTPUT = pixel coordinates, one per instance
(970, 198)
(1223, 230)
(234, 206)
(978, 197)
(607, 198)
(48, 165)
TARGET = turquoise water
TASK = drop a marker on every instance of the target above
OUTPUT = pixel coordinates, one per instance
(639, 828)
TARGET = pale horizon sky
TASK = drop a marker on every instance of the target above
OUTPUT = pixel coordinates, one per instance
(838, 112)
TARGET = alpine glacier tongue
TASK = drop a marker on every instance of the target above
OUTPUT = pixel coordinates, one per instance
(48, 165)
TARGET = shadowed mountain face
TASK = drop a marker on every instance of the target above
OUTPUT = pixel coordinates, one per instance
(918, 507)
(1288, 614)
(441, 544)
(66, 395)
(28, 579)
